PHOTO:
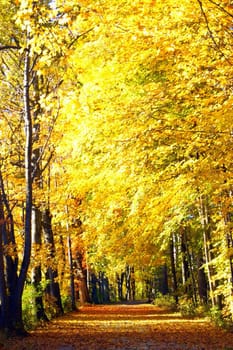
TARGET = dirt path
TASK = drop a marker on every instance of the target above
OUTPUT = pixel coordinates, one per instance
(125, 327)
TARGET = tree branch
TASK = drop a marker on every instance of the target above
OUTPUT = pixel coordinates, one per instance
(8, 47)
(79, 36)
(210, 31)
(207, 24)
(221, 8)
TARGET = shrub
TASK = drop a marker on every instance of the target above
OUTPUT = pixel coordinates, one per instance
(66, 303)
(28, 307)
(216, 316)
(187, 307)
(165, 301)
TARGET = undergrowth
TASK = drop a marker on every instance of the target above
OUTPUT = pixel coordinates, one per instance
(165, 301)
(188, 309)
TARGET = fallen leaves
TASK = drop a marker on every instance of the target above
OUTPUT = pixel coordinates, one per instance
(128, 327)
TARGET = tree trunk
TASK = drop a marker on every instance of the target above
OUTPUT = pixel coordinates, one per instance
(133, 284)
(9, 263)
(72, 286)
(52, 288)
(202, 283)
(191, 270)
(163, 280)
(4, 313)
(94, 290)
(185, 265)
(82, 280)
(128, 282)
(15, 307)
(229, 243)
(173, 269)
(120, 281)
(36, 270)
(203, 212)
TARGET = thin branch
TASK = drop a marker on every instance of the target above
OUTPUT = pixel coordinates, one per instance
(221, 8)
(44, 147)
(207, 24)
(211, 32)
(8, 47)
(121, 28)
(79, 36)
(48, 161)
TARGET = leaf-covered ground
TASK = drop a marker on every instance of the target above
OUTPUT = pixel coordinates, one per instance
(124, 327)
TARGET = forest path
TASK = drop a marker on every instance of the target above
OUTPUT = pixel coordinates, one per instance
(125, 327)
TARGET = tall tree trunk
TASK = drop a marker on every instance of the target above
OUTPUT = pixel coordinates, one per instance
(185, 265)
(191, 270)
(202, 283)
(9, 238)
(173, 268)
(163, 280)
(71, 267)
(128, 282)
(120, 281)
(229, 243)
(94, 289)
(16, 297)
(133, 284)
(53, 288)
(203, 212)
(71, 263)
(36, 270)
(9, 263)
(63, 259)
(4, 314)
(82, 280)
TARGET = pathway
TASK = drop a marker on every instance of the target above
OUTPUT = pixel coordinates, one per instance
(125, 327)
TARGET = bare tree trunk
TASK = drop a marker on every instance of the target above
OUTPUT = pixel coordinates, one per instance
(173, 268)
(53, 288)
(36, 270)
(229, 244)
(188, 274)
(119, 281)
(9, 263)
(82, 280)
(71, 266)
(71, 263)
(4, 314)
(16, 298)
(133, 284)
(203, 212)
(128, 282)
(185, 266)
(202, 283)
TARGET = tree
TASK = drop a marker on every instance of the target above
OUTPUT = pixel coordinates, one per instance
(147, 94)
(23, 49)
(149, 130)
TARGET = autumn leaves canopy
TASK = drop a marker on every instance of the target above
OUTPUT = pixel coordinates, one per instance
(131, 112)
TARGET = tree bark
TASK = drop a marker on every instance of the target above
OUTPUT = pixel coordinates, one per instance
(52, 288)
(9, 263)
(185, 265)
(4, 311)
(128, 282)
(16, 297)
(36, 270)
(202, 283)
(203, 212)
(71, 266)
(82, 280)
(173, 269)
